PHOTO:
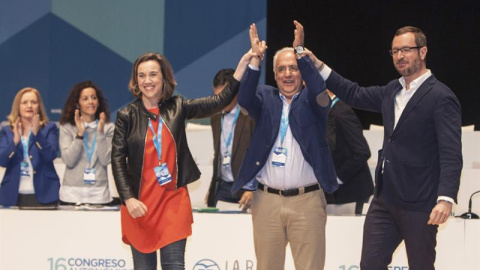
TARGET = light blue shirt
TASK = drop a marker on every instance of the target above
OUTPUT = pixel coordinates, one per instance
(228, 127)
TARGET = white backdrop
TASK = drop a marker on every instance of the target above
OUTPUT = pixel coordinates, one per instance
(71, 239)
(81, 240)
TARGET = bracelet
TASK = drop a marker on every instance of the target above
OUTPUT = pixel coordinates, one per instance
(78, 137)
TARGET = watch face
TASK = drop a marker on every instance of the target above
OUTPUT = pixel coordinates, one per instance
(299, 49)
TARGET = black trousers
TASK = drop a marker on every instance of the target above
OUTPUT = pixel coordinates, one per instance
(385, 228)
(224, 193)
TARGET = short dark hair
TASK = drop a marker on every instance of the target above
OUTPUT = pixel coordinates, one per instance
(68, 112)
(165, 68)
(223, 76)
(420, 38)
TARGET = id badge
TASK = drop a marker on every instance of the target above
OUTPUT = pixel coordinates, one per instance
(226, 160)
(279, 157)
(89, 176)
(24, 169)
(162, 174)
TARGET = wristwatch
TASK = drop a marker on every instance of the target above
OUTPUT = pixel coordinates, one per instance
(299, 49)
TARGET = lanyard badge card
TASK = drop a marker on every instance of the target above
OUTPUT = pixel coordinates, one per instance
(161, 171)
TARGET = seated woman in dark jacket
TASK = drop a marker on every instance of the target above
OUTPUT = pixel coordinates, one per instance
(28, 147)
(152, 164)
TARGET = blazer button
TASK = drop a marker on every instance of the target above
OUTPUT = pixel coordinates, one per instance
(34, 172)
(257, 163)
(31, 157)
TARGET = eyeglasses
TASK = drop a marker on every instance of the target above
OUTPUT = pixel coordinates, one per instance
(283, 69)
(403, 50)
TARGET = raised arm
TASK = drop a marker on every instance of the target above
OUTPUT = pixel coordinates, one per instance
(258, 47)
(206, 106)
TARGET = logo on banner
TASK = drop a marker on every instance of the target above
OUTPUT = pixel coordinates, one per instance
(87, 263)
(206, 264)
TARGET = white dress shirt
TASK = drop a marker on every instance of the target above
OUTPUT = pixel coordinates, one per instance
(297, 172)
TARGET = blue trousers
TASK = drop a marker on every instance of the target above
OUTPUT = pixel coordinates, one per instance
(172, 257)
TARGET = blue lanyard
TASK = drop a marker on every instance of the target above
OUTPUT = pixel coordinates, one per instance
(335, 100)
(92, 148)
(285, 120)
(157, 139)
(228, 141)
(25, 145)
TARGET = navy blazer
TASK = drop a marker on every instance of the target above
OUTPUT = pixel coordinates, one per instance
(43, 149)
(350, 153)
(422, 156)
(307, 118)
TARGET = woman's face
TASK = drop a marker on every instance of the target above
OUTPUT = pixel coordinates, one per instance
(150, 80)
(28, 105)
(88, 102)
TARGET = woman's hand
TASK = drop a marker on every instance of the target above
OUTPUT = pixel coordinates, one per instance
(17, 131)
(101, 122)
(79, 123)
(35, 124)
(258, 47)
(136, 208)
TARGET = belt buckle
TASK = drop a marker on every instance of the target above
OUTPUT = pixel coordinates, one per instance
(287, 193)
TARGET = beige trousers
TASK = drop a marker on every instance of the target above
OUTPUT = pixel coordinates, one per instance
(298, 220)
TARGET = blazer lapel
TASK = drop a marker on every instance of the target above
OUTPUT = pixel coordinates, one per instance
(389, 113)
(419, 94)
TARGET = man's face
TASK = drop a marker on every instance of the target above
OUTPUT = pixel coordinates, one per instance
(287, 75)
(408, 64)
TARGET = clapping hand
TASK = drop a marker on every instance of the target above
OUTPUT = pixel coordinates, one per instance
(35, 124)
(17, 131)
(101, 122)
(79, 123)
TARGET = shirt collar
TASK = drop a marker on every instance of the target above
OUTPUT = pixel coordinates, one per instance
(284, 99)
(232, 111)
(91, 125)
(417, 82)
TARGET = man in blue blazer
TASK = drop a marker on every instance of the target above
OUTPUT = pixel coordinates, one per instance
(418, 170)
(288, 156)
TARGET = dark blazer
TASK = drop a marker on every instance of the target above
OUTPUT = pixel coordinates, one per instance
(307, 118)
(422, 156)
(43, 149)
(350, 153)
(241, 141)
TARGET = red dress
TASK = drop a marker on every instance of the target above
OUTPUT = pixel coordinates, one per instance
(169, 215)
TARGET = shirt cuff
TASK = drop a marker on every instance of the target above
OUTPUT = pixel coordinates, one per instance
(445, 198)
(251, 186)
(339, 181)
(325, 72)
(253, 67)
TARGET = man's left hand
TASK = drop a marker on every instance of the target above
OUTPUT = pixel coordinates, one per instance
(440, 213)
(246, 200)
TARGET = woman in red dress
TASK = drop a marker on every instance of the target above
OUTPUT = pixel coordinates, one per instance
(152, 164)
